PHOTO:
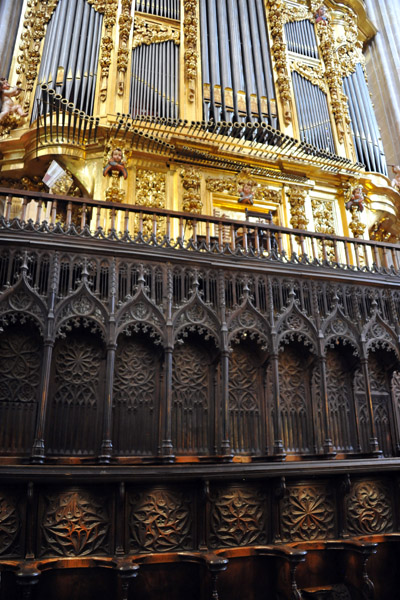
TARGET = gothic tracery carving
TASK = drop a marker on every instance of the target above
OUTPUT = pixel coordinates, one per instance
(369, 509)
(307, 514)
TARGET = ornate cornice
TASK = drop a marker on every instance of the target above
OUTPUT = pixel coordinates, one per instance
(148, 32)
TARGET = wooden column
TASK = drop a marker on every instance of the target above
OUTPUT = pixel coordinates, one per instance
(328, 445)
(373, 440)
(106, 444)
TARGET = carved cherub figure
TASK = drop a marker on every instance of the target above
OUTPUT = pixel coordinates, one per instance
(357, 199)
(321, 16)
(396, 179)
(116, 164)
(7, 104)
(246, 194)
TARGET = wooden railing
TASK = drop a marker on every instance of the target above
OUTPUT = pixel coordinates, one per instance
(38, 212)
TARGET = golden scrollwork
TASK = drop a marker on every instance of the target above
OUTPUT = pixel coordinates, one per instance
(109, 8)
(125, 24)
(265, 194)
(297, 198)
(333, 76)
(191, 200)
(37, 15)
(277, 16)
(324, 222)
(148, 32)
(355, 224)
(379, 232)
(313, 74)
(150, 191)
(233, 185)
(350, 50)
(191, 56)
(222, 185)
(34, 184)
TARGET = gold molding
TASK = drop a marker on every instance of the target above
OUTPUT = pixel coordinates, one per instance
(125, 24)
(277, 14)
(313, 74)
(147, 32)
(109, 8)
(297, 197)
(191, 55)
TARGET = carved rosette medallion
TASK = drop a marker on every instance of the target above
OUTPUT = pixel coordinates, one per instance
(160, 521)
(238, 518)
(369, 509)
(75, 524)
(307, 513)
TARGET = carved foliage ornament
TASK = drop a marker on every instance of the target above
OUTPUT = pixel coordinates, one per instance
(277, 13)
(238, 518)
(312, 74)
(297, 198)
(109, 8)
(191, 56)
(191, 201)
(20, 359)
(148, 32)
(125, 24)
(160, 521)
(307, 514)
(75, 524)
(350, 49)
(369, 509)
(9, 524)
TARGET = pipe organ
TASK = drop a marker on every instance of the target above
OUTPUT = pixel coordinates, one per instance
(199, 313)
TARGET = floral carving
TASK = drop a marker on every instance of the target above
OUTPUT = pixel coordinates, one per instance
(191, 190)
(297, 197)
(312, 74)
(369, 509)
(148, 32)
(238, 518)
(307, 514)
(191, 56)
(160, 521)
(9, 524)
(75, 524)
(20, 359)
(150, 191)
(125, 23)
(109, 8)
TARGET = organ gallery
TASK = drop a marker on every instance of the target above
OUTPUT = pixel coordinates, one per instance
(199, 301)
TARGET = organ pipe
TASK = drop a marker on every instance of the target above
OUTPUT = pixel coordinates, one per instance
(313, 114)
(301, 39)
(154, 81)
(163, 8)
(364, 127)
(237, 75)
(69, 61)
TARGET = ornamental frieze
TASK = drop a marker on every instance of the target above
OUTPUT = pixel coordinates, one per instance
(147, 32)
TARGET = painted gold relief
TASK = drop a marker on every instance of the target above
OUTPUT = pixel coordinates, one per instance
(191, 57)
(125, 24)
(148, 32)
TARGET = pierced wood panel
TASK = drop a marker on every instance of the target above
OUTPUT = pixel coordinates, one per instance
(295, 402)
(76, 392)
(135, 398)
(341, 403)
(192, 399)
(245, 403)
(20, 367)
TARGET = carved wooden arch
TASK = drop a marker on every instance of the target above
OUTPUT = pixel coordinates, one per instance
(22, 302)
(197, 316)
(378, 334)
(295, 325)
(81, 308)
(140, 312)
(247, 321)
(338, 327)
